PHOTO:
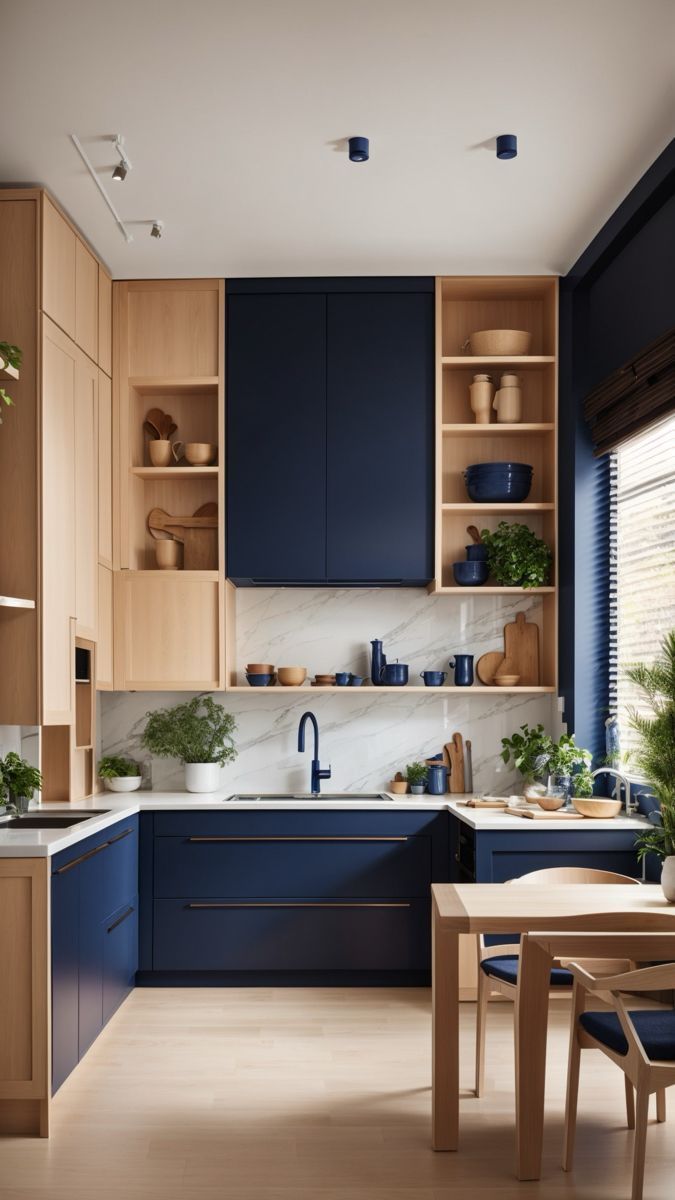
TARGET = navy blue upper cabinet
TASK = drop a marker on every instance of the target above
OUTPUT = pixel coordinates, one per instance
(380, 447)
(330, 431)
(276, 438)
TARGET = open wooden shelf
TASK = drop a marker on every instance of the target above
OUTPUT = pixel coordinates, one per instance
(488, 590)
(15, 602)
(493, 430)
(7, 371)
(151, 473)
(447, 689)
(165, 385)
(474, 362)
(524, 506)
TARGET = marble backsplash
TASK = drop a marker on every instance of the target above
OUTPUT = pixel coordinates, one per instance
(366, 735)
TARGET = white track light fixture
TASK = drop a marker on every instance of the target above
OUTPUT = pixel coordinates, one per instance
(124, 166)
(157, 229)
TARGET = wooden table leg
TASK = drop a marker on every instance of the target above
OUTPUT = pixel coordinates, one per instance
(445, 1035)
(531, 1029)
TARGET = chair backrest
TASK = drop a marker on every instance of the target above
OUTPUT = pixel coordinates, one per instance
(574, 875)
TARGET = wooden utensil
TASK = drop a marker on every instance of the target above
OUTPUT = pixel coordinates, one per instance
(198, 533)
(154, 417)
(474, 534)
(151, 430)
(456, 753)
(521, 649)
(167, 425)
(468, 766)
(488, 665)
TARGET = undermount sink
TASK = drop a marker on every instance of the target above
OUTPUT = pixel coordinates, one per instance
(307, 796)
(52, 821)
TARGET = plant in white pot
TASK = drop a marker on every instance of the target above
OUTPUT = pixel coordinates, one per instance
(19, 781)
(199, 733)
(655, 755)
(119, 774)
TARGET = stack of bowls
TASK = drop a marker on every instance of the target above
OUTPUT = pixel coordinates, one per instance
(498, 482)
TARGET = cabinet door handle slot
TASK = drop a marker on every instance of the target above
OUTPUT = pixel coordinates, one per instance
(119, 920)
(75, 862)
(296, 839)
(298, 904)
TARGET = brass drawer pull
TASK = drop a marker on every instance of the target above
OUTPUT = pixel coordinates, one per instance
(75, 862)
(296, 839)
(119, 920)
(118, 838)
(298, 904)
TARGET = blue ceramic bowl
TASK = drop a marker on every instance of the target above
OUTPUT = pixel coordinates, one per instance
(476, 552)
(259, 680)
(498, 489)
(342, 678)
(433, 678)
(470, 574)
(356, 680)
(499, 468)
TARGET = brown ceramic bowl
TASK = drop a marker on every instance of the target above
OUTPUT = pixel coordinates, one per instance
(259, 669)
(291, 676)
(398, 786)
(550, 803)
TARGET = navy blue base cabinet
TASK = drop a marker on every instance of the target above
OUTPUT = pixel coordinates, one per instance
(330, 431)
(289, 896)
(493, 856)
(94, 939)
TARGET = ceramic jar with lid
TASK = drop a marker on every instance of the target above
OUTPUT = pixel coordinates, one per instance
(508, 401)
(481, 392)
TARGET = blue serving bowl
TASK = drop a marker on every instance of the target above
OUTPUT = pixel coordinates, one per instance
(476, 552)
(470, 574)
(433, 678)
(499, 468)
(259, 680)
(497, 488)
(356, 680)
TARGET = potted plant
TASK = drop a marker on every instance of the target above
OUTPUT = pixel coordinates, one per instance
(10, 356)
(564, 757)
(119, 774)
(416, 775)
(516, 556)
(20, 782)
(655, 755)
(199, 733)
(582, 783)
(530, 750)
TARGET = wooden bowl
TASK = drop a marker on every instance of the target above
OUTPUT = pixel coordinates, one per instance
(506, 680)
(500, 342)
(291, 676)
(398, 786)
(597, 806)
(259, 669)
(325, 678)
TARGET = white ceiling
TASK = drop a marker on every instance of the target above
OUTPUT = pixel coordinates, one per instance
(235, 111)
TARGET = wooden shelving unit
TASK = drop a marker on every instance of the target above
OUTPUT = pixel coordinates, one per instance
(464, 305)
(447, 690)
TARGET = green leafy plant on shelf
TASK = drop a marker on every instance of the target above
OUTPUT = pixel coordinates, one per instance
(416, 773)
(19, 781)
(114, 766)
(529, 750)
(654, 757)
(198, 731)
(516, 556)
(11, 356)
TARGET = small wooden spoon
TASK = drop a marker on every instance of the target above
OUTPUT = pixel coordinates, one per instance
(155, 417)
(166, 425)
(151, 430)
(474, 534)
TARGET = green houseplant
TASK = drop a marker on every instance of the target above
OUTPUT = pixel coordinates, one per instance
(11, 357)
(416, 775)
(516, 556)
(119, 774)
(19, 782)
(655, 755)
(530, 751)
(199, 733)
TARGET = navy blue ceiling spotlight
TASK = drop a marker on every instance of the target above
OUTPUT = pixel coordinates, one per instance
(507, 145)
(359, 149)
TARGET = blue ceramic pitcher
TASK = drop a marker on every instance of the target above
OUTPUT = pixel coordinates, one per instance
(462, 665)
(378, 660)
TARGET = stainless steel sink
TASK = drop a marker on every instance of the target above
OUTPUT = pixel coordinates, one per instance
(274, 797)
(52, 821)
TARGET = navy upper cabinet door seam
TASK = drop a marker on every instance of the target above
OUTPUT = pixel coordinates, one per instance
(380, 445)
(276, 438)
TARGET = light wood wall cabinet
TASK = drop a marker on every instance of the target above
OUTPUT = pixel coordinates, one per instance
(168, 355)
(51, 306)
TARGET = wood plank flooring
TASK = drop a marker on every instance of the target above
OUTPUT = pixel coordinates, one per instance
(282, 1094)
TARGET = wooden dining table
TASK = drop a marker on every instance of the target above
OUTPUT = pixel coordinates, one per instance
(495, 908)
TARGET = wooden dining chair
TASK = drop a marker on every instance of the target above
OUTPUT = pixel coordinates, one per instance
(498, 964)
(640, 1041)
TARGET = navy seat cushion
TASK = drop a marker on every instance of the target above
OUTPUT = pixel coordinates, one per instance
(655, 1029)
(505, 967)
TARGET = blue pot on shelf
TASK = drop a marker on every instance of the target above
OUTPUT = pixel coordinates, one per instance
(476, 552)
(462, 664)
(437, 779)
(470, 574)
(394, 674)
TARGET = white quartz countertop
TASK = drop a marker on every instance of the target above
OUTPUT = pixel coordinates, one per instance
(42, 843)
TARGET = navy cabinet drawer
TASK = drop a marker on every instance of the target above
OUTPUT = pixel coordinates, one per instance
(223, 865)
(120, 956)
(268, 936)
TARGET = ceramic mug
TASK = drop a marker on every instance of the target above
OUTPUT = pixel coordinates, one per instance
(196, 454)
(342, 678)
(159, 452)
(433, 678)
(166, 553)
(462, 665)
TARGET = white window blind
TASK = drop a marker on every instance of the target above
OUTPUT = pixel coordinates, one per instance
(642, 560)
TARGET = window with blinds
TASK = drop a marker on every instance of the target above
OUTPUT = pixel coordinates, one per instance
(642, 560)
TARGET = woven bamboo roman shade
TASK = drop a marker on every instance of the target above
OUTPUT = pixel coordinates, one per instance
(639, 393)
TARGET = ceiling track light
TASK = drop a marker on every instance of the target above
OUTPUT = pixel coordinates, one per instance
(92, 171)
(157, 229)
(359, 149)
(507, 145)
(124, 165)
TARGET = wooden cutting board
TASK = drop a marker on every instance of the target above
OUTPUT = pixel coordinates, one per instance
(455, 752)
(488, 665)
(198, 533)
(521, 647)
(541, 815)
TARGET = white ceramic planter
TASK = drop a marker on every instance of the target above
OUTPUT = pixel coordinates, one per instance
(123, 783)
(202, 777)
(668, 878)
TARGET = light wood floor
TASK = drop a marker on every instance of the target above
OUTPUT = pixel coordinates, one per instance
(310, 1095)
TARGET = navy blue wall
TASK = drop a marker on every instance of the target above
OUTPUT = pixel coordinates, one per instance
(618, 297)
